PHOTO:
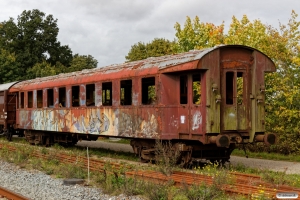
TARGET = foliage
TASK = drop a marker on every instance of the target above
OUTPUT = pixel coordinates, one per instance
(81, 62)
(41, 70)
(30, 49)
(198, 35)
(8, 66)
(158, 47)
(166, 157)
(202, 191)
(33, 39)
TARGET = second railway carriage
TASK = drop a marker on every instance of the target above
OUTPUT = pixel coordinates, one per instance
(203, 101)
(7, 110)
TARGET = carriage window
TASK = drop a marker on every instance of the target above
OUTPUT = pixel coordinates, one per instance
(1, 98)
(240, 87)
(196, 89)
(62, 97)
(229, 87)
(40, 98)
(107, 94)
(126, 95)
(50, 98)
(148, 91)
(22, 100)
(183, 90)
(75, 96)
(90, 95)
(30, 98)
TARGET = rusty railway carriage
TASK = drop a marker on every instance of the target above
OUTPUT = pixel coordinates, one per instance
(203, 101)
(7, 110)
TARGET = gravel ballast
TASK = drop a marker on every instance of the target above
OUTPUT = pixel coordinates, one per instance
(39, 186)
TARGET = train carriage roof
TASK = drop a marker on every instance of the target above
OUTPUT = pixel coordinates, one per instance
(6, 86)
(149, 66)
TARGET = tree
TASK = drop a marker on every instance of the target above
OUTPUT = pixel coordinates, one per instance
(198, 35)
(158, 47)
(41, 70)
(33, 39)
(8, 67)
(80, 62)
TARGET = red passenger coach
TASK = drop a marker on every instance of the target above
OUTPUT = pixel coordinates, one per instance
(203, 101)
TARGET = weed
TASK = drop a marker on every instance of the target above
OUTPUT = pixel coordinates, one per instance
(44, 151)
(202, 191)
(261, 195)
(166, 157)
(158, 191)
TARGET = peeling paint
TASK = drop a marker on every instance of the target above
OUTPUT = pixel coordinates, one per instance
(135, 97)
(197, 120)
(68, 98)
(174, 122)
(231, 115)
(110, 122)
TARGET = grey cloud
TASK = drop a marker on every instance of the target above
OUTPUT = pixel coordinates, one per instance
(106, 29)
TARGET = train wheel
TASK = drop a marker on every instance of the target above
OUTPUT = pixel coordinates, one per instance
(142, 160)
(185, 159)
(9, 135)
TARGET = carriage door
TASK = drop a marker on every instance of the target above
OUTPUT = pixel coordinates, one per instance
(234, 106)
(190, 105)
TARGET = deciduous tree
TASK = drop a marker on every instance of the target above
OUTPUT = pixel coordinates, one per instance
(80, 62)
(8, 67)
(33, 39)
(158, 47)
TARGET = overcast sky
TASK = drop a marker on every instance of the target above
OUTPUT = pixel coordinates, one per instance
(106, 29)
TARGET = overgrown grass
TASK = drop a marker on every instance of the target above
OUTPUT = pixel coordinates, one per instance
(276, 178)
(101, 152)
(266, 155)
(114, 180)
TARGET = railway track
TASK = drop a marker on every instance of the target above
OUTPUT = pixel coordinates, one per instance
(10, 195)
(242, 184)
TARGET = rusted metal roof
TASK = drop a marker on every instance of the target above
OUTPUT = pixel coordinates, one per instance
(124, 70)
(6, 86)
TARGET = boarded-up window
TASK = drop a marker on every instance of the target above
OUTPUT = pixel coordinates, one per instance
(107, 94)
(62, 97)
(148, 91)
(126, 92)
(50, 98)
(75, 96)
(90, 95)
(39, 98)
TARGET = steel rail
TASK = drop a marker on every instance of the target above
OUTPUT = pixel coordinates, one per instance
(11, 195)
